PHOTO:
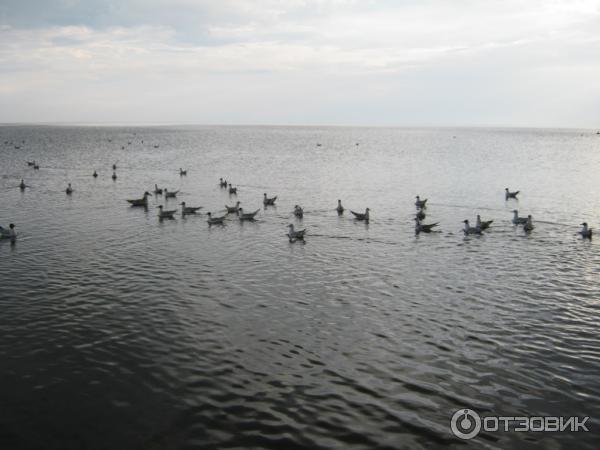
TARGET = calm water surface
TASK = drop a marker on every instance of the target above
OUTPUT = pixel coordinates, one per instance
(119, 331)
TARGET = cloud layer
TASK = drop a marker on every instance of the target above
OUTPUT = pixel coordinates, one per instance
(428, 62)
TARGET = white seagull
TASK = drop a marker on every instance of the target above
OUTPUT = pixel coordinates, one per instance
(528, 224)
(361, 216)
(170, 194)
(165, 214)
(233, 209)
(518, 220)
(469, 229)
(268, 201)
(508, 194)
(247, 216)
(188, 209)
(424, 227)
(8, 234)
(214, 220)
(295, 234)
(482, 225)
(140, 201)
(420, 203)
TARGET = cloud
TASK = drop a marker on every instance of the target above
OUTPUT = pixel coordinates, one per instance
(272, 61)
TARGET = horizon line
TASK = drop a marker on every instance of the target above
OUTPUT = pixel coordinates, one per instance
(197, 124)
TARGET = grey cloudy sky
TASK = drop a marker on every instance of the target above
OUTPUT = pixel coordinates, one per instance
(356, 62)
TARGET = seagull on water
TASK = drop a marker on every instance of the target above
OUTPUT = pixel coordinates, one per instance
(95, 174)
(528, 224)
(268, 201)
(340, 208)
(482, 225)
(222, 183)
(140, 201)
(469, 229)
(165, 214)
(8, 234)
(233, 209)
(157, 190)
(421, 204)
(215, 220)
(585, 232)
(22, 185)
(518, 220)
(247, 216)
(361, 216)
(114, 175)
(188, 209)
(182, 172)
(232, 190)
(295, 234)
(69, 189)
(298, 211)
(424, 228)
(170, 194)
(508, 194)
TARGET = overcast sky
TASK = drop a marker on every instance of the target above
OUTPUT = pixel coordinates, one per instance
(354, 62)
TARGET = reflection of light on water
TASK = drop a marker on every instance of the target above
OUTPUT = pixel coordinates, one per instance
(363, 333)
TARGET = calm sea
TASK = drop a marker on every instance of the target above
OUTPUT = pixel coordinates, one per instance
(119, 331)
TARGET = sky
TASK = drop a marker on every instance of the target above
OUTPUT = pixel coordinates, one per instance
(302, 62)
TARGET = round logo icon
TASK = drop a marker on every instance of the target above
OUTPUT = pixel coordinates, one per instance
(465, 424)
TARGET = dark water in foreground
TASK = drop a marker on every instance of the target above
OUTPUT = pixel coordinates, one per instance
(118, 331)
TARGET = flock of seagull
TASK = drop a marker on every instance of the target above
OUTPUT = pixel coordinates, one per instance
(163, 213)
(481, 226)
(293, 234)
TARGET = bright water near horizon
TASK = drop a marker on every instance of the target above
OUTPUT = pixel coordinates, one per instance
(118, 331)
